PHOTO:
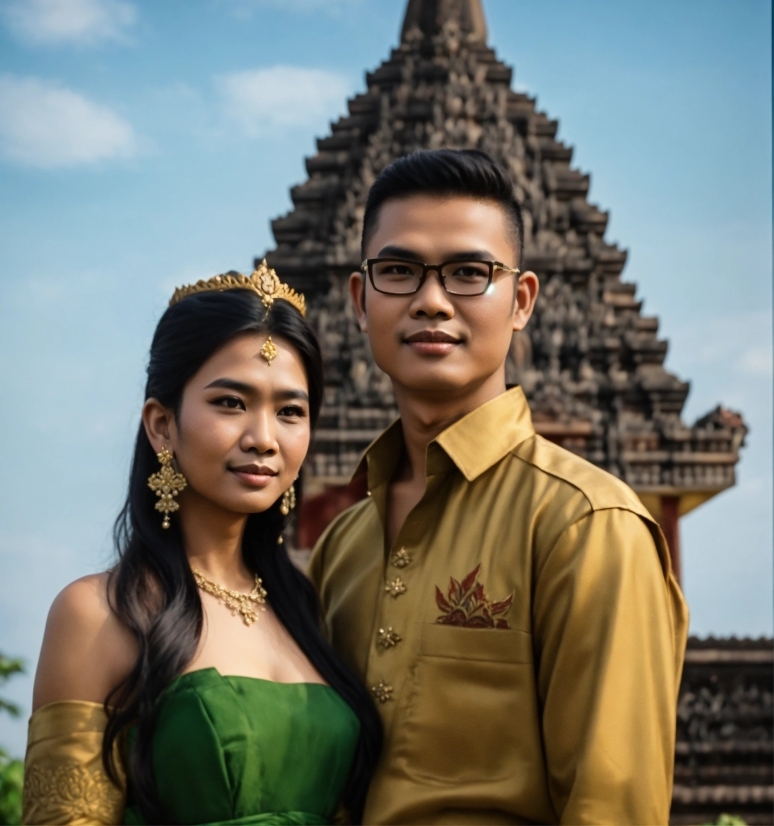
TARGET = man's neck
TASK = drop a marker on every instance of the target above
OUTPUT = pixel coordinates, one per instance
(424, 416)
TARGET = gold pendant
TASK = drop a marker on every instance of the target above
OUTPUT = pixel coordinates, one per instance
(236, 602)
(269, 351)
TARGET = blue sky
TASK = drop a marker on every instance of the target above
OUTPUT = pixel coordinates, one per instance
(143, 145)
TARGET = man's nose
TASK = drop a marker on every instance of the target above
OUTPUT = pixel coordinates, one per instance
(432, 299)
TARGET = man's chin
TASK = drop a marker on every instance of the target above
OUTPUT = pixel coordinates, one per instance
(433, 380)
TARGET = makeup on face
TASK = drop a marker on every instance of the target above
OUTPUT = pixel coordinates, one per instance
(244, 425)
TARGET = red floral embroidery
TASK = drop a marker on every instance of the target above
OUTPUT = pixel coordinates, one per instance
(466, 604)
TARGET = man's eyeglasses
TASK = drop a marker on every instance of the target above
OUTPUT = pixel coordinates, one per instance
(400, 276)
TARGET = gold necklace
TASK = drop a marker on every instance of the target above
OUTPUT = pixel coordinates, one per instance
(235, 601)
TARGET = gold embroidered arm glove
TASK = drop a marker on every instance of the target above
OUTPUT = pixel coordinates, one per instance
(64, 779)
(610, 629)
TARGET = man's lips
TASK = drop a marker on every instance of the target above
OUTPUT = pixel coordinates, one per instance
(432, 342)
(257, 476)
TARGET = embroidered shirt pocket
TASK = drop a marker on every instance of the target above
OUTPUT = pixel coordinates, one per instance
(470, 714)
(467, 605)
(501, 645)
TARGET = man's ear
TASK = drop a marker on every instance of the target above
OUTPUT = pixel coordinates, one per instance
(357, 294)
(527, 288)
(159, 423)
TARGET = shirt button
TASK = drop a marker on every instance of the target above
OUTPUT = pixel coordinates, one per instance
(382, 691)
(400, 558)
(387, 638)
(395, 588)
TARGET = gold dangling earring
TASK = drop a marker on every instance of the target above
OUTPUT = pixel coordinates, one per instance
(288, 501)
(166, 483)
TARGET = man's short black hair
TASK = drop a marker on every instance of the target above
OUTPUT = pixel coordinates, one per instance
(467, 172)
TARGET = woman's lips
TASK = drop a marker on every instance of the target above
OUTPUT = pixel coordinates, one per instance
(256, 476)
(432, 342)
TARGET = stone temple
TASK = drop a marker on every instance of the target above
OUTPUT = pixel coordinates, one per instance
(591, 364)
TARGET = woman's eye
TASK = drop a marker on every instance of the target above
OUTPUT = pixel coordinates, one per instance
(293, 410)
(231, 402)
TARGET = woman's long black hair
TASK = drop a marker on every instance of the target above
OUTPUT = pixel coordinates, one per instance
(152, 590)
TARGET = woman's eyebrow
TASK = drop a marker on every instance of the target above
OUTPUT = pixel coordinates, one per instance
(289, 394)
(231, 384)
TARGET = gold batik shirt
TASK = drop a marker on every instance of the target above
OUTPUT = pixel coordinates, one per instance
(523, 638)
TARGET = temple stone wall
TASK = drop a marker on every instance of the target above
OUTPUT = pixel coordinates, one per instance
(725, 749)
(591, 364)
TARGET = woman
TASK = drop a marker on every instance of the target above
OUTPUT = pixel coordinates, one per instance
(191, 683)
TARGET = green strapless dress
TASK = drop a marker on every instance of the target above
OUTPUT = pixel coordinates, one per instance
(239, 750)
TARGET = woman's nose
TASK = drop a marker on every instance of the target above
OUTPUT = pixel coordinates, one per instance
(261, 435)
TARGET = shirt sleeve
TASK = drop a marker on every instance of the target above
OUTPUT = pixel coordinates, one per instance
(64, 779)
(610, 629)
(315, 570)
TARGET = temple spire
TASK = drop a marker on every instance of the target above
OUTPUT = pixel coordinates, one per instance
(591, 365)
(429, 17)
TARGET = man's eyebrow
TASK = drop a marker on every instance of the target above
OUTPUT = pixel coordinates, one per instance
(290, 395)
(470, 255)
(231, 384)
(461, 255)
(398, 252)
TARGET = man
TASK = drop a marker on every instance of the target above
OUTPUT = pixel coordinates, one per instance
(511, 606)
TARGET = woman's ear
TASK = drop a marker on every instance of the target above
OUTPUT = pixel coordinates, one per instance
(159, 425)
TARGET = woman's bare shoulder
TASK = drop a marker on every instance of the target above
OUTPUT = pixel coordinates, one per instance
(82, 603)
(86, 651)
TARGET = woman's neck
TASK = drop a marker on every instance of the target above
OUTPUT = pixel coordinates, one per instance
(212, 538)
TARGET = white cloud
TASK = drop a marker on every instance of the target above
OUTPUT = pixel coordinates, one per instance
(82, 22)
(260, 100)
(46, 125)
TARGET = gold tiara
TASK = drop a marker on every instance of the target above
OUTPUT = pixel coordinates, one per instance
(263, 281)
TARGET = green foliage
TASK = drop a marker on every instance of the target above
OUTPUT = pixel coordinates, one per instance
(7, 669)
(11, 781)
(11, 771)
(728, 820)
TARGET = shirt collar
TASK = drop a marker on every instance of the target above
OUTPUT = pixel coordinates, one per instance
(473, 443)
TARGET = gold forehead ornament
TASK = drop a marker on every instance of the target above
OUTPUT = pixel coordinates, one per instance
(269, 351)
(263, 281)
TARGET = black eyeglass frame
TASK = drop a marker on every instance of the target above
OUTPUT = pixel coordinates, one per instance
(368, 264)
